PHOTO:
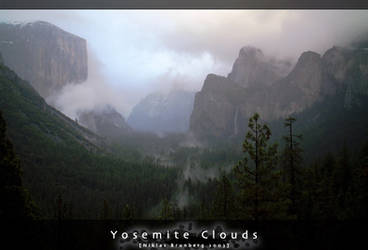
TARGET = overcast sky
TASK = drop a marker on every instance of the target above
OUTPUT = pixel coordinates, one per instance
(135, 52)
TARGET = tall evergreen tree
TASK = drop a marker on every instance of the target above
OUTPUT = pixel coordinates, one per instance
(257, 174)
(15, 199)
(361, 178)
(127, 212)
(343, 183)
(224, 199)
(292, 159)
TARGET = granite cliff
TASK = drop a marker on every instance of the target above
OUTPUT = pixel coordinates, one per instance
(224, 104)
(44, 55)
(253, 68)
(104, 121)
(163, 113)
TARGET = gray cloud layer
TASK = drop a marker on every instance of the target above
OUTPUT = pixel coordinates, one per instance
(142, 51)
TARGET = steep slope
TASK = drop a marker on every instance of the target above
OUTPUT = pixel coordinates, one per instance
(160, 113)
(216, 109)
(105, 121)
(328, 125)
(66, 168)
(16, 203)
(43, 54)
(223, 109)
(347, 68)
(33, 123)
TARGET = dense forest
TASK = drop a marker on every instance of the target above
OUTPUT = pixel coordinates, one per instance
(274, 182)
(67, 175)
(293, 169)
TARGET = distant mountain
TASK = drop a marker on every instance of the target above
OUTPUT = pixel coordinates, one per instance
(69, 171)
(223, 106)
(163, 113)
(105, 121)
(43, 54)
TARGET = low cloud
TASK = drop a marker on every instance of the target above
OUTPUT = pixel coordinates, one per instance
(145, 51)
(95, 93)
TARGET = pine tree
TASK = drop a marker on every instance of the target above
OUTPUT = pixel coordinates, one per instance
(15, 199)
(223, 203)
(106, 212)
(257, 174)
(61, 208)
(292, 159)
(167, 210)
(127, 212)
(361, 179)
(343, 180)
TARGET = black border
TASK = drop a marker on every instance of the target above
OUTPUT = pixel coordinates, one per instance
(183, 4)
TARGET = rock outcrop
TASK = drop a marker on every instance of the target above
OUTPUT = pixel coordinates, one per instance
(163, 113)
(224, 104)
(253, 68)
(43, 54)
(217, 106)
(104, 121)
(347, 68)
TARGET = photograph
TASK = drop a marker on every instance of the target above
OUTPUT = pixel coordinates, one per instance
(184, 128)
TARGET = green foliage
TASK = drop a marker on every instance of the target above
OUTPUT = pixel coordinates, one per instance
(291, 163)
(258, 178)
(67, 174)
(15, 199)
(127, 212)
(70, 175)
(224, 201)
(169, 211)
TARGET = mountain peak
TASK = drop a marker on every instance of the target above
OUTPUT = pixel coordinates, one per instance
(250, 51)
(253, 68)
(309, 56)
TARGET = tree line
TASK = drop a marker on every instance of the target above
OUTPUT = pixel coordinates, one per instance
(273, 182)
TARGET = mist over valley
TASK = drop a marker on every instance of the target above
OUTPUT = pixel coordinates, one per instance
(125, 121)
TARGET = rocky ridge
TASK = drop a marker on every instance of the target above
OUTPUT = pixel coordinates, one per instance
(224, 104)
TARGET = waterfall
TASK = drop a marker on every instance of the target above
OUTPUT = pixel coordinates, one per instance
(236, 121)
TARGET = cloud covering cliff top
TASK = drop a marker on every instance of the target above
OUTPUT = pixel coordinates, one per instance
(138, 52)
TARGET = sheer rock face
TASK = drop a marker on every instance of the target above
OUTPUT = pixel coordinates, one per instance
(105, 121)
(300, 89)
(44, 55)
(215, 107)
(163, 113)
(223, 106)
(252, 68)
(348, 69)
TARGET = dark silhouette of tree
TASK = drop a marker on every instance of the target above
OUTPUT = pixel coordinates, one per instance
(15, 199)
(258, 176)
(361, 179)
(106, 213)
(224, 199)
(292, 159)
(127, 212)
(167, 210)
(61, 208)
(343, 184)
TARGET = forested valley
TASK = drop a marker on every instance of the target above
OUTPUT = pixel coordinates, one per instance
(268, 176)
